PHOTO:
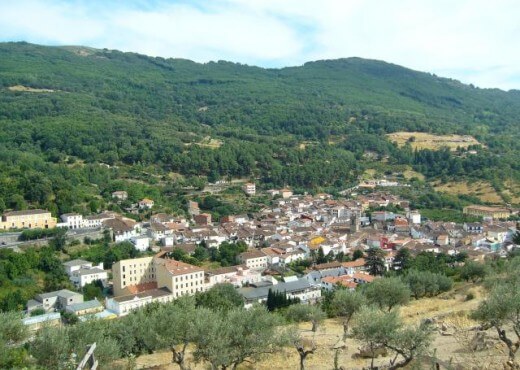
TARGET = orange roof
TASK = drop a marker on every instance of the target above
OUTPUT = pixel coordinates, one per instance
(344, 280)
(365, 277)
(138, 288)
(179, 268)
(360, 262)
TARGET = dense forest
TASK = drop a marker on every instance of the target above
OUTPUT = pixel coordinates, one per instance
(77, 123)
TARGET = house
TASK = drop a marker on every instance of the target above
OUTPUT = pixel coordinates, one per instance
(56, 300)
(146, 203)
(95, 221)
(414, 217)
(82, 272)
(87, 275)
(120, 195)
(74, 265)
(123, 305)
(122, 228)
(249, 188)
(332, 282)
(362, 278)
(85, 308)
(141, 242)
(300, 289)
(237, 275)
(352, 267)
(254, 259)
(158, 231)
(72, 220)
(29, 219)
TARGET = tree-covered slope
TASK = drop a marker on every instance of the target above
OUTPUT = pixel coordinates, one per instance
(127, 109)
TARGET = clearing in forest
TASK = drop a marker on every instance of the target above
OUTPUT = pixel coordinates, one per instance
(28, 89)
(422, 140)
(481, 189)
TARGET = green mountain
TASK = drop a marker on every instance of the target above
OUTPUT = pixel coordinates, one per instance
(64, 110)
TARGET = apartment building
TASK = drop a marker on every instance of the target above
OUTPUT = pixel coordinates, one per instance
(29, 219)
(132, 272)
(136, 275)
(179, 277)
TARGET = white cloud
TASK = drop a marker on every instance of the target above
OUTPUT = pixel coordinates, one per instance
(476, 41)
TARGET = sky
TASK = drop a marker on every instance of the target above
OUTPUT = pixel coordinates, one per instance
(474, 41)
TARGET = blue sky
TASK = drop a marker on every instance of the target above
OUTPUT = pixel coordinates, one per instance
(475, 41)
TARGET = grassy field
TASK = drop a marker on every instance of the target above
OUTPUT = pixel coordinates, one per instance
(481, 189)
(421, 140)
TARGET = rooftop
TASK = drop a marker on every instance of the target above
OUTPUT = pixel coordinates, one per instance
(76, 262)
(26, 212)
(180, 268)
(152, 293)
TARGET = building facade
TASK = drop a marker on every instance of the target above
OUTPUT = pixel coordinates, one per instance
(29, 219)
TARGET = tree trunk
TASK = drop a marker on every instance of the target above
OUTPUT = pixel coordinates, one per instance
(178, 357)
(401, 364)
(512, 348)
(345, 329)
(302, 362)
(314, 326)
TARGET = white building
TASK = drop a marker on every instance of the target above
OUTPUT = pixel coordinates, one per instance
(254, 259)
(82, 272)
(72, 220)
(414, 217)
(249, 188)
(141, 243)
(123, 305)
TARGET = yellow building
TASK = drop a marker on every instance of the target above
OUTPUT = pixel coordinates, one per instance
(133, 272)
(484, 211)
(30, 219)
(179, 277)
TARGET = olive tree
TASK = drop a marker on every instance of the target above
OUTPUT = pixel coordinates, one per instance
(303, 312)
(379, 329)
(501, 310)
(176, 326)
(387, 293)
(345, 304)
(228, 339)
(12, 334)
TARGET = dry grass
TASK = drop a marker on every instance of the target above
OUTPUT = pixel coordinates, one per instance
(208, 142)
(481, 189)
(430, 141)
(28, 89)
(450, 309)
(409, 174)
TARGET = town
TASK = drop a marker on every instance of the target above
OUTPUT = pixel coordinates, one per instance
(300, 245)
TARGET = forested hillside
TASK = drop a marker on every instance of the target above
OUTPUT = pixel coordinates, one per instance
(65, 110)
